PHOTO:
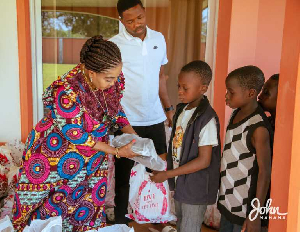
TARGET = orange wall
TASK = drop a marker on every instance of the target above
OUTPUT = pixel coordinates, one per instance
(221, 62)
(294, 187)
(256, 34)
(285, 171)
(243, 33)
(25, 72)
(256, 28)
(269, 35)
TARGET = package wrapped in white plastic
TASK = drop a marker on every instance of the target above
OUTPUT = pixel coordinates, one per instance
(144, 147)
(53, 224)
(168, 131)
(149, 201)
(10, 161)
(6, 225)
(212, 216)
(114, 228)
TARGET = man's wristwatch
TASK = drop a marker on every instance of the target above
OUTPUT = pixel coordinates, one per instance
(169, 108)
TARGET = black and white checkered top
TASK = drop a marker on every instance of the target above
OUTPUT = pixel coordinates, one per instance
(239, 169)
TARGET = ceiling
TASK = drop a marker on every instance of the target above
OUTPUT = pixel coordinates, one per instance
(99, 3)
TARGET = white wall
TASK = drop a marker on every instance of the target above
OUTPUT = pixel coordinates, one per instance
(10, 124)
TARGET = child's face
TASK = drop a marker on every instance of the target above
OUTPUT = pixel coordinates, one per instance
(268, 96)
(190, 87)
(236, 96)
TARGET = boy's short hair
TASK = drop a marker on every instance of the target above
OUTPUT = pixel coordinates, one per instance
(275, 77)
(249, 77)
(124, 5)
(201, 68)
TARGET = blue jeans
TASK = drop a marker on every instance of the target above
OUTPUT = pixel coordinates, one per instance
(227, 226)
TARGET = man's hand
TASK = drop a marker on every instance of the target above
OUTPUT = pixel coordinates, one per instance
(170, 115)
(159, 177)
(252, 226)
(163, 94)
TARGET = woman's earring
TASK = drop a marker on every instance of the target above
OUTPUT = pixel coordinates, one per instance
(91, 79)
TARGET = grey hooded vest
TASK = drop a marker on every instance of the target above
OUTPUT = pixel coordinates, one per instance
(201, 187)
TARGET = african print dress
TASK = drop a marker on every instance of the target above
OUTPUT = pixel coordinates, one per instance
(61, 174)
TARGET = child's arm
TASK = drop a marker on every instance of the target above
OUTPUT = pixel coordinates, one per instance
(261, 142)
(201, 162)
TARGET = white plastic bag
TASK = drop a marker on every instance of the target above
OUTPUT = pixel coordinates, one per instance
(144, 147)
(149, 201)
(10, 161)
(212, 216)
(168, 131)
(53, 224)
(5, 225)
(114, 228)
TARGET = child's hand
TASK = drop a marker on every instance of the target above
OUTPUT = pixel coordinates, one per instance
(159, 177)
(252, 226)
(163, 156)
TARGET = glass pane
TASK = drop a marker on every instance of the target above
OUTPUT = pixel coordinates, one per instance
(64, 33)
(204, 29)
(67, 24)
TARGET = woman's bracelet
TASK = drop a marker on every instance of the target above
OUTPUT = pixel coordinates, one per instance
(117, 153)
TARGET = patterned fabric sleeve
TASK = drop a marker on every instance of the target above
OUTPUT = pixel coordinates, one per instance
(121, 119)
(66, 111)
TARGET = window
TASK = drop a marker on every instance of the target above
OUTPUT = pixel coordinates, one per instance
(64, 33)
(60, 28)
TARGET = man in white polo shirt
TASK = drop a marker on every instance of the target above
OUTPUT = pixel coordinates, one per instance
(146, 102)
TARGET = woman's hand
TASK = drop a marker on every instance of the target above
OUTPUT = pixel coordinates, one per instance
(126, 151)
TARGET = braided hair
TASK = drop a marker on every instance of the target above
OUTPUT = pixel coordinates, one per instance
(99, 55)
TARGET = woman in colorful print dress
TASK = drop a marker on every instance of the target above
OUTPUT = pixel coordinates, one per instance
(65, 160)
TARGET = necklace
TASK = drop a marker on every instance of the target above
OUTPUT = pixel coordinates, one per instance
(106, 116)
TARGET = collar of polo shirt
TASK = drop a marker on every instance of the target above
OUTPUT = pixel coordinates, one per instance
(130, 37)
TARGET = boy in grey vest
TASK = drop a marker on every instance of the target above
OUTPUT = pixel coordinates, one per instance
(194, 151)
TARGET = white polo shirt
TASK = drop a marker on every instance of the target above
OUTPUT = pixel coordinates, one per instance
(141, 65)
